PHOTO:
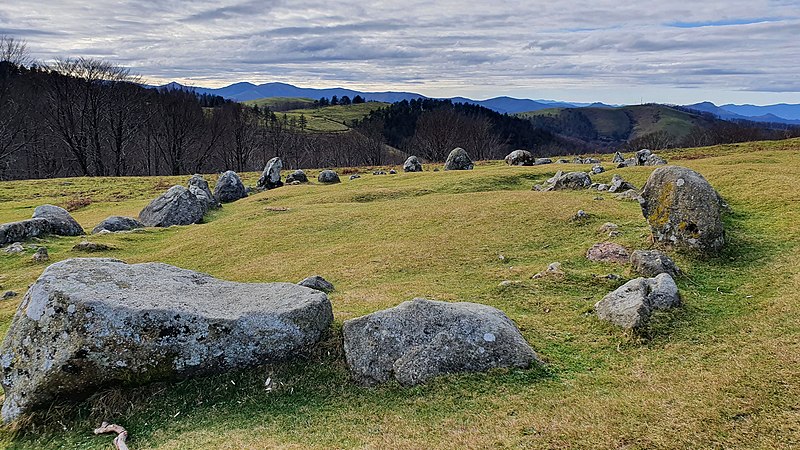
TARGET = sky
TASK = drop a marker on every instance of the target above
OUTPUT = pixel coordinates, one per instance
(573, 50)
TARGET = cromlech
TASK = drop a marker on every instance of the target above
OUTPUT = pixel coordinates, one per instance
(239, 225)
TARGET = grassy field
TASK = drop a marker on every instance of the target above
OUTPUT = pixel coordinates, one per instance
(327, 119)
(631, 122)
(721, 372)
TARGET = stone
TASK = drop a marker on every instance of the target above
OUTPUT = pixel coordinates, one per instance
(379, 172)
(598, 169)
(318, 283)
(23, 230)
(683, 210)
(229, 187)
(392, 172)
(654, 262)
(562, 161)
(629, 195)
(119, 223)
(631, 305)
(177, 206)
(642, 155)
(618, 158)
(571, 180)
(619, 185)
(630, 162)
(602, 187)
(91, 247)
(412, 164)
(199, 187)
(608, 227)
(421, 339)
(61, 222)
(553, 269)
(295, 183)
(41, 255)
(355, 176)
(458, 159)
(15, 248)
(9, 294)
(271, 176)
(298, 175)
(92, 322)
(328, 176)
(542, 161)
(520, 158)
(591, 161)
(580, 216)
(609, 252)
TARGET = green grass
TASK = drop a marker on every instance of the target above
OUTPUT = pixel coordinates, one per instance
(278, 103)
(720, 372)
(335, 118)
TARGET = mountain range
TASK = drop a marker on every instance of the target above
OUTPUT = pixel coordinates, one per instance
(244, 91)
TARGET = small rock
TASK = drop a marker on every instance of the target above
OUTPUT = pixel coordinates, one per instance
(392, 172)
(629, 195)
(86, 246)
(619, 185)
(379, 172)
(120, 223)
(631, 305)
(618, 158)
(608, 252)
(355, 176)
(597, 169)
(41, 255)
(318, 283)
(9, 294)
(608, 227)
(580, 216)
(15, 248)
(653, 262)
(542, 161)
(553, 269)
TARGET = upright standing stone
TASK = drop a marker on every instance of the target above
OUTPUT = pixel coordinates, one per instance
(412, 164)
(271, 176)
(458, 159)
(199, 187)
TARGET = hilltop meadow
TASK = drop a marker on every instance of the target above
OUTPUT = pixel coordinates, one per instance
(719, 372)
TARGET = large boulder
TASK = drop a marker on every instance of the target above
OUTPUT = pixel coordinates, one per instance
(412, 164)
(88, 323)
(328, 177)
(520, 158)
(631, 305)
(22, 230)
(458, 159)
(298, 175)
(229, 188)
(420, 339)
(654, 262)
(271, 176)
(199, 187)
(177, 206)
(683, 210)
(61, 222)
(117, 223)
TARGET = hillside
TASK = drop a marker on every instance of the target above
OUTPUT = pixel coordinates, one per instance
(720, 372)
(326, 119)
(615, 126)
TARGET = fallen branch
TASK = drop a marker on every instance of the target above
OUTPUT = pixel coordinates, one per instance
(122, 434)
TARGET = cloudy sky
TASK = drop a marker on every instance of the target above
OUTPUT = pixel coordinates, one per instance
(606, 50)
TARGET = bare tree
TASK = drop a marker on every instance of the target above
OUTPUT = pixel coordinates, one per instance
(15, 133)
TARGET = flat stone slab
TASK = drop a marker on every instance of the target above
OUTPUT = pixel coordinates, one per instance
(93, 322)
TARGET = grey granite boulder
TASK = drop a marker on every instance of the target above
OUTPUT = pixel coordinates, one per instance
(177, 206)
(88, 322)
(298, 175)
(683, 210)
(520, 158)
(318, 283)
(117, 223)
(199, 187)
(412, 164)
(22, 230)
(420, 339)
(61, 222)
(619, 185)
(631, 305)
(564, 181)
(618, 158)
(458, 159)
(654, 262)
(271, 176)
(229, 188)
(328, 177)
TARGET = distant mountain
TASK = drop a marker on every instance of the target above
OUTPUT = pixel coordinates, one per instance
(242, 92)
(762, 114)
